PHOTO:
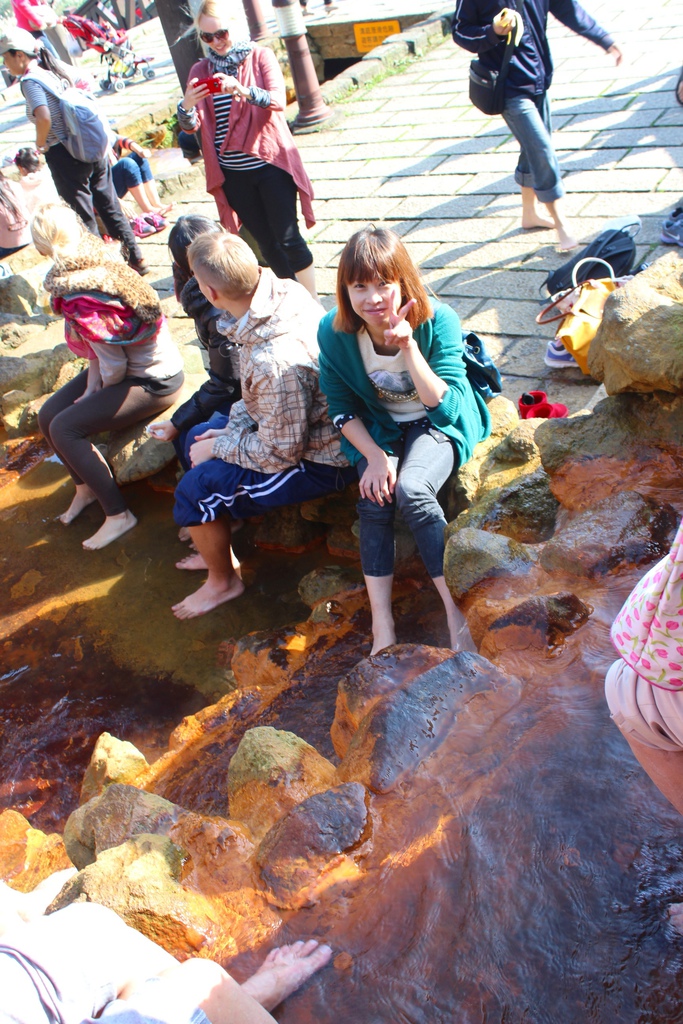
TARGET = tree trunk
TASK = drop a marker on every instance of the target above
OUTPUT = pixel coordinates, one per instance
(184, 51)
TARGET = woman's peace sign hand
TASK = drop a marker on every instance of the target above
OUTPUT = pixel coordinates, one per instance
(400, 332)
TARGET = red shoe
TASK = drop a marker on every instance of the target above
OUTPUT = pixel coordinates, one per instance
(535, 405)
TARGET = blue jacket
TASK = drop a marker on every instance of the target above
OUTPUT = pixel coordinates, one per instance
(531, 68)
(462, 413)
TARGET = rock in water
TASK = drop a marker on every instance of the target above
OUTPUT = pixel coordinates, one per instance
(625, 529)
(475, 555)
(374, 678)
(639, 343)
(404, 727)
(270, 773)
(542, 623)
(112, 760)
(27, 856)
(295, 852)
(110, 819)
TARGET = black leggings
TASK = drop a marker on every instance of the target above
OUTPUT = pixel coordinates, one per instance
(67, 424)
(89, 187)
(265, 202)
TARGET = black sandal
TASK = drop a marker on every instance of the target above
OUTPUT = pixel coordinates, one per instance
(679, 88)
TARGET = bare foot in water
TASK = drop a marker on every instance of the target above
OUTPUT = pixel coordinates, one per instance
(112, 528)
(197, 561)
(676, 916)
(81, 499)
(209, 596)
(192, 562)
(184, 534)
(381, 639)
(284, 970)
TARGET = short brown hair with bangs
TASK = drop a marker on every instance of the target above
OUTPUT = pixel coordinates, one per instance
(378, 252)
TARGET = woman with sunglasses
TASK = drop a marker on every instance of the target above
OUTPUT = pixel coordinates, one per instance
(253, 168)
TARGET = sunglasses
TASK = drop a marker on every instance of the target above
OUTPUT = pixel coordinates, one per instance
(208, 37)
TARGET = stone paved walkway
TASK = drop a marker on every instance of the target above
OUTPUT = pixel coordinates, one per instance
(411, 153)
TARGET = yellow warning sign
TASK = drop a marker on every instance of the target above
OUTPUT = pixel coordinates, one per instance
(372, 33)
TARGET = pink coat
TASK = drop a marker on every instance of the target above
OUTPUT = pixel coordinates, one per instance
(259, 131)
(26, 15)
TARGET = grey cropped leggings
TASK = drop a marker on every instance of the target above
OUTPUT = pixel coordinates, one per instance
(67, 425)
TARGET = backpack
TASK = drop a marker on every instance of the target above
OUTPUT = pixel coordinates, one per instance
(87, 137)
(614, 245)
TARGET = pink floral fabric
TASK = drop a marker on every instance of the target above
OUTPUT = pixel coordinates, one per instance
(648, 631)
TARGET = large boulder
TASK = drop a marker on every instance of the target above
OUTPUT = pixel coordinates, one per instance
(27, 855)
(270, 773)
(473, 556)
(623, 530)
(108, 820)
(112, 760)
(403, 728)
(22, 291)
(463, 486)
(639, 343)
(629, 442)
(374, 678)
(307, 844)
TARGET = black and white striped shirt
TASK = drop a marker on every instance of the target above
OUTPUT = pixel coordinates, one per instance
(231, 160)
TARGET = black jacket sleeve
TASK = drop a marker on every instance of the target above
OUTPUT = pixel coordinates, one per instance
(472, 25)
(572, 14)
(223, 385)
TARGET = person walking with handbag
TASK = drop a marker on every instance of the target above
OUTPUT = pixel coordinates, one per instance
(481, 27)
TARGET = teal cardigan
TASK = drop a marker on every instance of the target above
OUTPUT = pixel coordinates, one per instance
(461, 414)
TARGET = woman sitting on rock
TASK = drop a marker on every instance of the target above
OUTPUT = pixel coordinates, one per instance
(113, 319)
(391, 365)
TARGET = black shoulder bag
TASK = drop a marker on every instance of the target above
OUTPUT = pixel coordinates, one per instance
(487, 87)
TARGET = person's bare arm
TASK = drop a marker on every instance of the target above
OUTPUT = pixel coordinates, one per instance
(43, 125)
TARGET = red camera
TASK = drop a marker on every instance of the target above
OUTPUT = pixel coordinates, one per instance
(212, 84)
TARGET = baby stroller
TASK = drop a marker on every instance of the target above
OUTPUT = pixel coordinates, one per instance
(114, 48)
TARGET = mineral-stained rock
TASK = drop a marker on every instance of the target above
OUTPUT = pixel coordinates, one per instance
(639, 343)
(476, 555)
(140, 881)
(463, 486)
(524, 510)
(334, 509)
(630, 442)
(404, 727)
(112, 760)
(541, 623)
(622, 530)
(270, 773)
(322, 584)
(299, 848)
(120, 812)
(27, 856)
(374, 678)
(283, 529)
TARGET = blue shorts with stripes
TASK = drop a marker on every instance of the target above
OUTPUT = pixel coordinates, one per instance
(217, 488)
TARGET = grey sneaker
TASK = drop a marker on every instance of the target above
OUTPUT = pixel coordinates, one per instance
(557, 356)
(672, 231)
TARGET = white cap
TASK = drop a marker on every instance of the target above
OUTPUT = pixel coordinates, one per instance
(19, 39)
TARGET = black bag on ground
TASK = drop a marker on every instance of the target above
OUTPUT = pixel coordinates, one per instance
(615, 246)
(482, 372)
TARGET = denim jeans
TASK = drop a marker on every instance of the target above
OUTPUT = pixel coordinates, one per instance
(528, 118)
(424, 465)
(130, 171)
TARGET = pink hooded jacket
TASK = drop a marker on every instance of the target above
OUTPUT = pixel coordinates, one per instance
(259, 131)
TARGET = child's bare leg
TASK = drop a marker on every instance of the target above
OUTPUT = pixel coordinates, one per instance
(458, 629)
(306, 277)
(112, 528)
(198, 562)
(153, 197)
(223, 583)
(531, 215)
(83, 497)
(140, 195)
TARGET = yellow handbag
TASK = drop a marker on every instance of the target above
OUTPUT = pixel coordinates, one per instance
(580, 309)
